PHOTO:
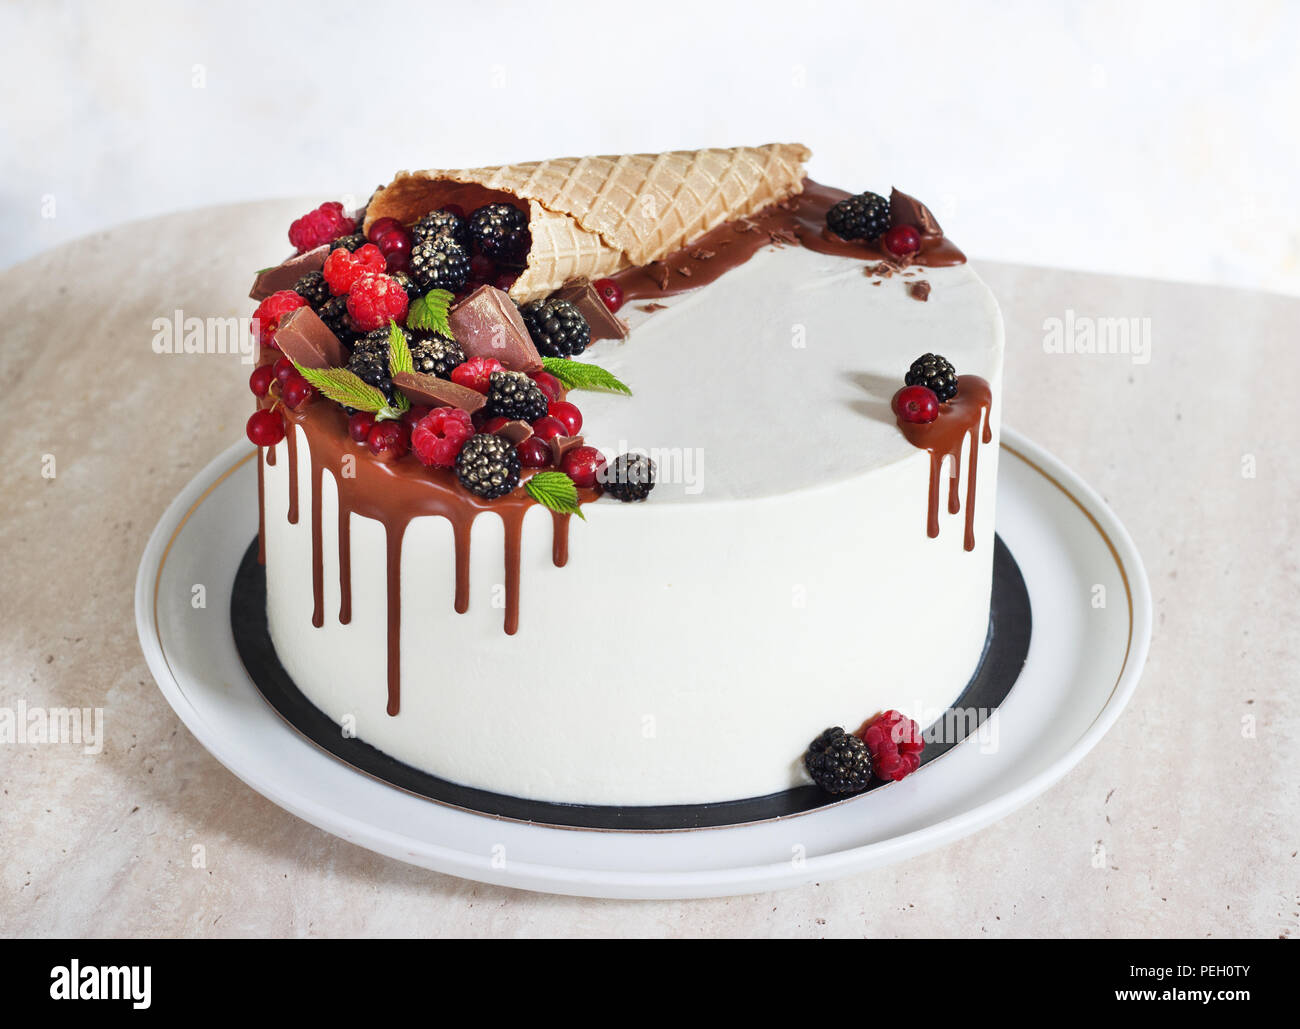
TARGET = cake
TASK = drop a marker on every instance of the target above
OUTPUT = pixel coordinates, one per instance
(730, 482)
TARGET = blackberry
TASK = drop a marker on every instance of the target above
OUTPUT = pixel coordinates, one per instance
(501, 232)
(439, 263)
(376, 342)
(413, 288)
(436, 355)
(334, 313)
(441, 223)
(557, 327)
(351, 243)
(514, 396)
(629, 477)
(488, 466)
(313, 288)
(372, 367)
(838, 762)
(864, 216)
(933, 372)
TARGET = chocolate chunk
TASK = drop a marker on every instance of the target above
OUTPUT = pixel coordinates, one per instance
(651, 308)
(514, 432)
(287, 274)
(685, 271)
(428, 389)
(703, 255)
(582, 295)
(783, 236)
(561, 445)
(659, 274)
(906, 210)
(920, 290)
(308, 340)
(487, 324)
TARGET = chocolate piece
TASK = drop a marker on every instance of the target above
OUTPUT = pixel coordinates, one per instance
(582, 295)
(487, 324)
(658, 272)
(428, 389)
(561, 445)
(920, 290)
(703, 255)
(514, 432)
(906, 210)
(651, 308)
(308, 340)
(287, 274)
(685, 270)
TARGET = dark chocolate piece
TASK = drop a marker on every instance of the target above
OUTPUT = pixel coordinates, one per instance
(308, 340)
(487, 324)
(287, 274)
(906, 210)
(429, 389)
(582, 295)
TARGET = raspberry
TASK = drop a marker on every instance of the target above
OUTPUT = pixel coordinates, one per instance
(438, 437)
(318, 227)
(895, 743)
(343, 267)
(374, 299)
(266, 319)
(476, 373)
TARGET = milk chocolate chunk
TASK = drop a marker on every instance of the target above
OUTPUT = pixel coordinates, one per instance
(919, 290)
(286, 275)
(514, 432)
(561, 445)
(428, 389)
(308, 340)
(906, 210)
(582, 295)
(487, 324)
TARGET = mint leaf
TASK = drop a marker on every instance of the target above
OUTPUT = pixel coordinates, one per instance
(399, 354)
(347, 388)
(556, 491)
(429, 313)
(577, 375)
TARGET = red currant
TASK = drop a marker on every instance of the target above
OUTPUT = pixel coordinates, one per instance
(568, 414)
(296, 390)
(534, 453)
(548, 384)
(282, 369)
(260, 381)
(916, 404)
(265, 428)
(413, 414)
(902, 240)
(610, 292)
(380, 226)
(494, 423)
(360, 424)
(547, 428)
(583, 465)
(389, 440)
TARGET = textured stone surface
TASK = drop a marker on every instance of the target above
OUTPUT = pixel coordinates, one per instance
(1198, 821)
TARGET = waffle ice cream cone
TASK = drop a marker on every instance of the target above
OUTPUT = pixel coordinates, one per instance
(592, 216)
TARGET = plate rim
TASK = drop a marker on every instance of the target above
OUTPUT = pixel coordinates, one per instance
(738, 879)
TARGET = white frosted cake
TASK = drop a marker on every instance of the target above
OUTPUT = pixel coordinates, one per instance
(802, 545)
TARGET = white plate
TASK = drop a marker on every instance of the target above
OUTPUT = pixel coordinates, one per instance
(1083, 665)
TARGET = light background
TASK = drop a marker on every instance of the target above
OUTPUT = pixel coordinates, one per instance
(1147, 138)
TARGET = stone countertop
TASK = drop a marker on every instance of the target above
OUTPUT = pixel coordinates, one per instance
(1194, 795)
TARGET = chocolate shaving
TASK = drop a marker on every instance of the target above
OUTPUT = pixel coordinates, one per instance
(744, 225)
(308, 340)
(685, 270)
(514, 432)
(651, 308)
(561, 445)
(659, 274)
(704, 255)
(919, 290)
(882, 268)
(428, 389)
(779, 236)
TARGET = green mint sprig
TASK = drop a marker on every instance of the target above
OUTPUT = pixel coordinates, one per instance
(577, 375)
(347, 388)
(429, 313)
(556, 491)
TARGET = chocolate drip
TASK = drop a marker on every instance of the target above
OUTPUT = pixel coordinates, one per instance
(394, 534)
(261, 512)
(270, 456)
(291, 448)
(959, 419)
(317, 557)
(345, 565)
(801, 220)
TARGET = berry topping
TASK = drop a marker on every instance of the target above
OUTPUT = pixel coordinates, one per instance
(260, 381)
(395, 245)
(488, 466)
(319, 227)
(265, 428)
(374, 299)
(371, 366)
(610, 292)
(934, 372)
(482, 268)
(313, 288)
(864, 216)
(583, 465)
(535, 452)
(282, 369)
(412, 415)
(381, 225)
(514, 395)
(343, 268)
(296, 391)
(838, 762)
(438, 437)
(549, 428)
(441, 223)
(389, 440)
(476, 373)
(403, 279)
(360, 424)
(895, 743)
(436, 355)
(568, 414)
(629, 477)
(267, 317)
(494, 424)
(439, 263)
(916, 404)
(352, 242)
(557, 327)
(334, 313)
(548, 384)
(902, 241)
(501, 232)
